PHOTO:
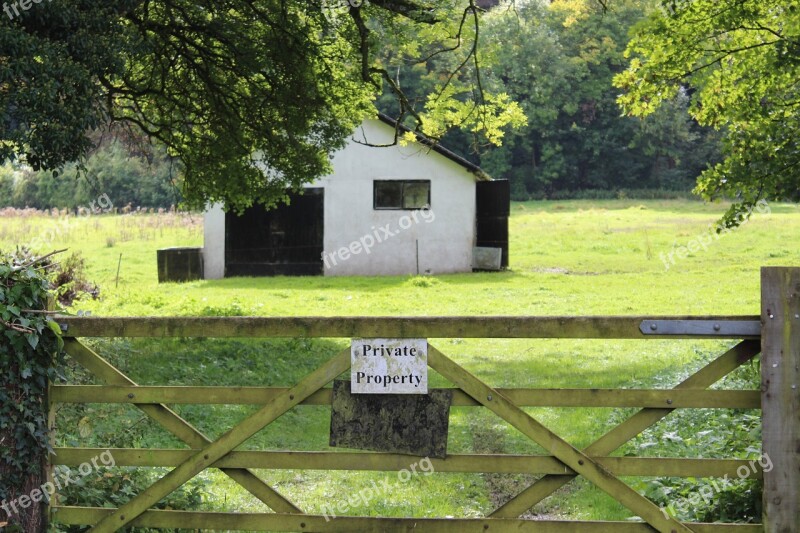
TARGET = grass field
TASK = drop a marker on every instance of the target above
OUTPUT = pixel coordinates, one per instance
(567, 258)
(575, 257)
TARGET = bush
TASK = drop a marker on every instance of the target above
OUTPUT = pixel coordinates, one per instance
(31, 355)
(70, 283)
(708, 433)
(115, 487)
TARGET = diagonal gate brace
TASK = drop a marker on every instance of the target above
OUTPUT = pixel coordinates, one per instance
(224, 445)
(177, 426)
(703, 378)
(561, 449)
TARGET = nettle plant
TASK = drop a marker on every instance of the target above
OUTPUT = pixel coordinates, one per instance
(31, 355)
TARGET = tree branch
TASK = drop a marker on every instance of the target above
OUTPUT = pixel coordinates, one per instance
(39, 260)
(408, 9)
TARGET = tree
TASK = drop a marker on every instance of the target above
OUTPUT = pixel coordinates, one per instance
(740, 62)
(6, 185)
(110, 170)
(251, 95)
(558, 59)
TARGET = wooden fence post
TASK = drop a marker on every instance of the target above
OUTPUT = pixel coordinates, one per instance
(780, 397)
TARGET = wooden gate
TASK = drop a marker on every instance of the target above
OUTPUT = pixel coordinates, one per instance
(565, 462)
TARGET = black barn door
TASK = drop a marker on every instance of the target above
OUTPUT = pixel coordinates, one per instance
(287, 240)
(493, 203)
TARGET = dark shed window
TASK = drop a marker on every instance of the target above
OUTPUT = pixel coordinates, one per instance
(402, 194)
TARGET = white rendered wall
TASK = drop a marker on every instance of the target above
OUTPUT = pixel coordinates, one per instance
(446, 234)
(214, 243)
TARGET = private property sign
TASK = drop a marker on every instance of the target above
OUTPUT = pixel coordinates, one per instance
(389, 366)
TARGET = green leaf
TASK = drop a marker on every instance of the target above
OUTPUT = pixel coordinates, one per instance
(53, 325)
(85, 427)
(33, 340)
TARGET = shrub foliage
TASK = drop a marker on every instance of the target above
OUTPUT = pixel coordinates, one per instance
(31, 355)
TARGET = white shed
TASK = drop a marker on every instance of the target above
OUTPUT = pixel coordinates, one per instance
(383, 211)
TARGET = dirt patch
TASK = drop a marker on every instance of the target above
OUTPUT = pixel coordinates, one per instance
(489, 439)
(550, 270)
(563, 271)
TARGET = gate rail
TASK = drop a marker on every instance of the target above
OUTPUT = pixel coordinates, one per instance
(771, 334)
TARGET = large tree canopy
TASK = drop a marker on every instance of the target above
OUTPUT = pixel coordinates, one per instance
(558, 60)
(251, 95)
(740, 61)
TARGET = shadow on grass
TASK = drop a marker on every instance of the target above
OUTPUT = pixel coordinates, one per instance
(365, 284)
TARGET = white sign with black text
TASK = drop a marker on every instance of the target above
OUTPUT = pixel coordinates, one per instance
(389, 366)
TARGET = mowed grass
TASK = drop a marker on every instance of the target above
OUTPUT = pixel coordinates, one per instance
(567, 258)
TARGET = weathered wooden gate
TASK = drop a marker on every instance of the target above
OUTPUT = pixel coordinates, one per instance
(780, 348)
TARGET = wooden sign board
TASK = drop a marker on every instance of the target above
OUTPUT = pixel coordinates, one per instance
(389, 366)
(394, 423)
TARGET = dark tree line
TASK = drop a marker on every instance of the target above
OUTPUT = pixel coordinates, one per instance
(127, 173)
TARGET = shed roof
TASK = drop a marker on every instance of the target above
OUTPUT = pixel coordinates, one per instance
(436, 147)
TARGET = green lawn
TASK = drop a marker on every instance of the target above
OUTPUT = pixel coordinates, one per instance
(577, 257)
(567, 258)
